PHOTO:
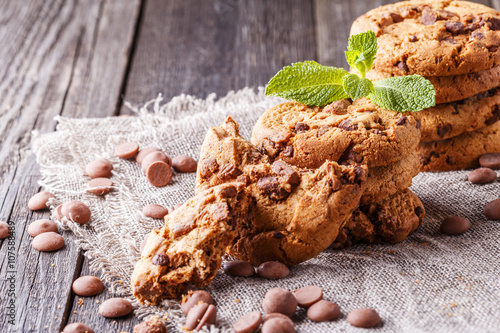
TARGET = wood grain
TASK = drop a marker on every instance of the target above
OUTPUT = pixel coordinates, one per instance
(199, 47)
(50, 47)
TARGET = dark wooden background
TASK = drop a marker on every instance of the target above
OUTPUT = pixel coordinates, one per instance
(83, 58)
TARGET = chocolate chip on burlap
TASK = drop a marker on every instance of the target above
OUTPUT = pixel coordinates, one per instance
(155, 211)
(152, 325)
(99, 168)
(200, 315)
(126, 150)
(115, 307)
(278, 325)
(273, 270)
(279, 300)
(491, 160)
(239, 268)
(454, 225)
(144, 152)
(193, 298)
(76, 211)
(99, 186)
(492, 210)
(364, 318)
(159, 174)
(248, 323)
(184, 164)
(323, 310)
(482, 176)
(155, 156)
(308, 295)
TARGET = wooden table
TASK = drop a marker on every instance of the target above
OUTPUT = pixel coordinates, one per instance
(85, 58)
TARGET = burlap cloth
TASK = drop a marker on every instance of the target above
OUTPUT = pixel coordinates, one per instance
(428, 283)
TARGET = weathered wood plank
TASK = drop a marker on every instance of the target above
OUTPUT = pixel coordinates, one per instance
(46, 47)
(232, 44)
(333, 23)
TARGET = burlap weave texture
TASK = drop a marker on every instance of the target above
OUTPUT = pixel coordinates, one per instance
(429, 283)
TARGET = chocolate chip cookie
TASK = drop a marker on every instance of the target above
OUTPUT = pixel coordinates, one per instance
(460, 152)
(455, 88)
(446, 121)
(294, 213)
(388, 221)
(189, 248)
(308, 136)
(433, 38)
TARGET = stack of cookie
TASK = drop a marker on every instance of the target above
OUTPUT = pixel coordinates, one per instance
(361, 134)
(455, 45)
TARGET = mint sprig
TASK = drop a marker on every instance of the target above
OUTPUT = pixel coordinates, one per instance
(361, 51)
(310, 82)
(314, 84)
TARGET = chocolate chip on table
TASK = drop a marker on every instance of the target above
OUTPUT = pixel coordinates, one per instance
(144, 152)
(239, 268)
(200, 315)
(39, 200)
(184, 164)
(4, 230)
(492, 210)
(155, 211)
(279, 300)
(323, 311)
(159, 174)
(364, 318)
(273, 270)
(454, 225)
(490, 160)
(307, 296)
(152, 325)
(482, 176)
(115, 307)
(40, 226)
(276, 324)
(99, 186)
(77, 328)
(48, 242)
(193, 298)
(87, 286)
(248, 323)
(126, 150)
(99, 168)
(76, 211)
(156, 156)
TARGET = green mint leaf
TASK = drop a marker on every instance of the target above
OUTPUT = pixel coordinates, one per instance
(361, 51)
(357, 87)
(308, 82)
(404, 93)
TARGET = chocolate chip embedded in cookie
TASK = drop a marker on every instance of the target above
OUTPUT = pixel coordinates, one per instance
(433, 38)
(446, 121)
(390, 220)
(189, 248)
(365, 134)
(455, 88)
(294, 213)
(460, 152)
